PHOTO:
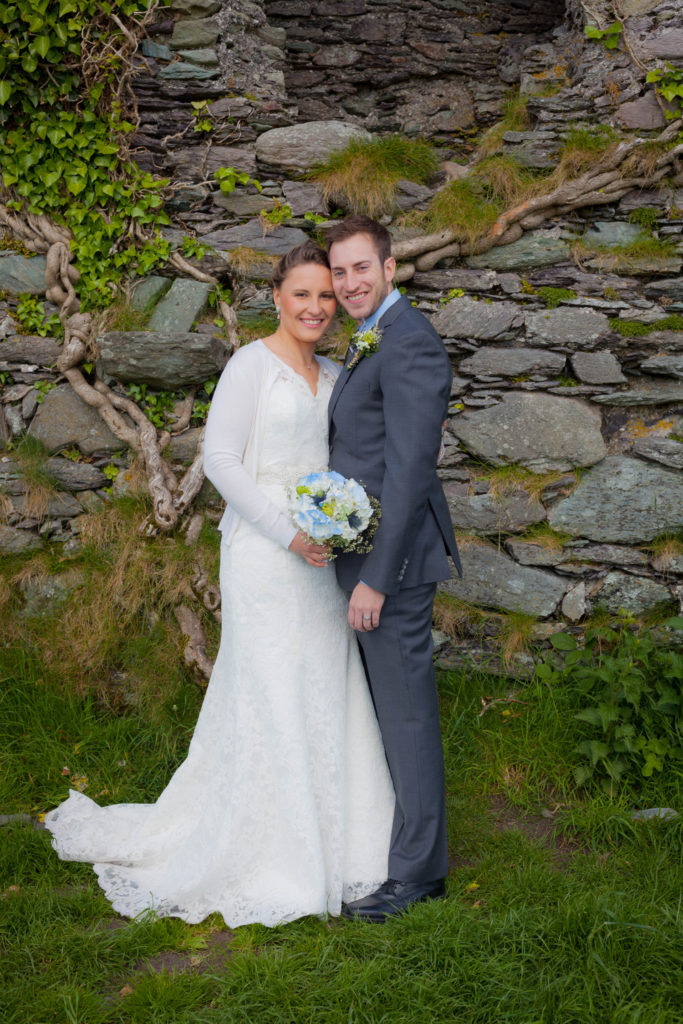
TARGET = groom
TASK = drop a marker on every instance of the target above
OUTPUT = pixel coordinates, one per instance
(385, 415)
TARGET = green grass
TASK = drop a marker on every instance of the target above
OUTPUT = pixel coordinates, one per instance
(570, 919)
(634, 328)
(615, 257)
(514, 118)
(465, 207)
(363, 176)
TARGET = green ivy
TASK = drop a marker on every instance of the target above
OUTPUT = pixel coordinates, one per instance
(669, 84)
(158, 406)
(202, 404)
(60, 145)
(43, 387)
(228, 179)
(608, 36)
(30, 315)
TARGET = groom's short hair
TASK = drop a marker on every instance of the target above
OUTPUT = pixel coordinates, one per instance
(357, 224)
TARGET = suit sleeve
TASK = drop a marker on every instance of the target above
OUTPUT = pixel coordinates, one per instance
(230, 424)
(415, 379)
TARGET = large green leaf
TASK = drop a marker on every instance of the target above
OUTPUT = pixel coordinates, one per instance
(41, 46)
(563, 642)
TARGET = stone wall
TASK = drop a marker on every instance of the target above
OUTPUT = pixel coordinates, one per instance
(437, 67)
(563, 446)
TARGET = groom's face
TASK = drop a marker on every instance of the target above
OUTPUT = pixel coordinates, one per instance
(361, 282)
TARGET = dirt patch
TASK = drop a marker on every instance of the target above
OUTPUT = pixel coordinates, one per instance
(538, 828)
(214, 957)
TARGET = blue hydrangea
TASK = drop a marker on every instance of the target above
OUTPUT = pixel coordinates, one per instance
(329, 507)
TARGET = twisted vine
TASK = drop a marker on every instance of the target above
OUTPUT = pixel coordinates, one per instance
(606, 182)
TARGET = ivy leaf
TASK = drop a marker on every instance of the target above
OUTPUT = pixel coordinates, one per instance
(75, 183)
(5, 91)
(41, 46)
(49, 178)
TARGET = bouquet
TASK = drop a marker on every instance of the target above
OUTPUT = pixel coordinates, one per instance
(331, 509)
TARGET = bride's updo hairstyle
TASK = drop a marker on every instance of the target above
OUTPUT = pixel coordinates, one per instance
(307, 252)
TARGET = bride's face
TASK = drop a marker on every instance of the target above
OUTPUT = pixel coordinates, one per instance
(306, 302)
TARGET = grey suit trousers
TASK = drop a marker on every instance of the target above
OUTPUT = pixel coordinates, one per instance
(398, 661)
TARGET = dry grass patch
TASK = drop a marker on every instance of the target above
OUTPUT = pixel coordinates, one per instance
(456, 618)
(505, 480)
(513, 633)
(252, 263)
(115, 622)
(643, 161)
(504, 179)
(122, 317)
(31, 456)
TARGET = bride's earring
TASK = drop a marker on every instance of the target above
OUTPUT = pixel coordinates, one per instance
(277, 312)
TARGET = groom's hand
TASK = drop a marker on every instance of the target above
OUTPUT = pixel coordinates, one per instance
(315, 554)
(365, 607)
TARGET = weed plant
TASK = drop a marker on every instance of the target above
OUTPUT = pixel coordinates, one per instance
(363, 177)
(629, 683)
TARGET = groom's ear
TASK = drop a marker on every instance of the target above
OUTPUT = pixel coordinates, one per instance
(389, 269)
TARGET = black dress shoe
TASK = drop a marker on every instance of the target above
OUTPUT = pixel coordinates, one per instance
(393, 898)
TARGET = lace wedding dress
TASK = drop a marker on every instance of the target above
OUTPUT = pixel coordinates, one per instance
(284, 805)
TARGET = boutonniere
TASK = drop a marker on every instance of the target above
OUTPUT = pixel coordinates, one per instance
(364, 343)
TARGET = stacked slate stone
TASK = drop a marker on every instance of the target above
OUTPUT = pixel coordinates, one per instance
(596, 416)
(564, 445)
(434, 67)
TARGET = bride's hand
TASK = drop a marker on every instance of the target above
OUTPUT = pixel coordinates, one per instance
(315, 554)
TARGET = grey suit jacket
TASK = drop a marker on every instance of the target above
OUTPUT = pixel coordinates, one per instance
(385, 420)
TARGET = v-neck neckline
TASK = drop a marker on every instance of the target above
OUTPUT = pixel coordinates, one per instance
(296, 372)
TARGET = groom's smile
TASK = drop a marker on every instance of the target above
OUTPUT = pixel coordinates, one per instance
(360, 281)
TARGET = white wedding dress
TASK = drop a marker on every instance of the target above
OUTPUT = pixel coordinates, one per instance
(284, 804)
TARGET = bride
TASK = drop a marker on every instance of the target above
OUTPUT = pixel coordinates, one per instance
(284, 805)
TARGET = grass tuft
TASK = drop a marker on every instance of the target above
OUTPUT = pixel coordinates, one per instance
(644, 247)
(515, 118)
(363, 177)
(31, 455)
(464, 207)
(122, 317)
(635, 328)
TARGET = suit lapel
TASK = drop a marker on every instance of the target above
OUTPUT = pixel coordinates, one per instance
(386, 321)
(339, 385)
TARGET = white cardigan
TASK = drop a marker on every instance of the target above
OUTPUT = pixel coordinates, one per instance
(232, 445)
